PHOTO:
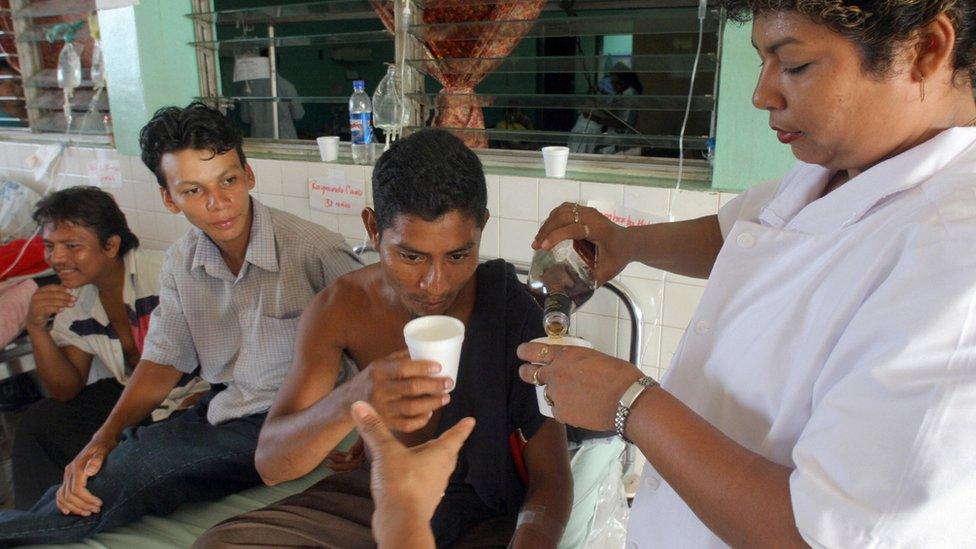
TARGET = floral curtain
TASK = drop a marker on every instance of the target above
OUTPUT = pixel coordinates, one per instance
(486, 33)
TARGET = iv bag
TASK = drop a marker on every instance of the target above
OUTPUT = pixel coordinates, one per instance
(97, 65)
(387, 105)
(69, 77)
(406, 78)
(69, 69)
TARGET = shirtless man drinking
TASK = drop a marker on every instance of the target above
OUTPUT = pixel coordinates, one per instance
(430, 197)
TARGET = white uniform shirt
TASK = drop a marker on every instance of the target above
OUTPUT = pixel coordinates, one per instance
(837, 337)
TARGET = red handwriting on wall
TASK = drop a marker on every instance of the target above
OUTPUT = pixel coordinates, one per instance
(625, 220)
(336, 196)
(326, 189)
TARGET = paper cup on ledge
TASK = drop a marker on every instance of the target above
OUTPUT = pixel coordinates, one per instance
(328, 148)
(437, 338)
(555, 159)
(540, 396)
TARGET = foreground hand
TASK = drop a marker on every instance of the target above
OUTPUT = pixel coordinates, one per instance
(403, 391)
(407, 483)
(349, 460)
(73, 496)
(46, 302)
(613, 243)
(584, 385)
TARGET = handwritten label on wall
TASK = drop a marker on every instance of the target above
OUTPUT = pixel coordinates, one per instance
(626, 217)
(40, 160)
(335, 194)
(105, 173)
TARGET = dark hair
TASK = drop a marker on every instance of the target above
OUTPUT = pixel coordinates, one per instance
(88, 207)
(629, 80)
(429, 174)
(196, 127)
(877, 27)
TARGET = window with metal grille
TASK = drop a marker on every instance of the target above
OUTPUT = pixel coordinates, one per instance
(29, 53)
(611, 79)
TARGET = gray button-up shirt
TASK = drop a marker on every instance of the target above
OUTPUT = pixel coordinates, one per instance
(241, 329)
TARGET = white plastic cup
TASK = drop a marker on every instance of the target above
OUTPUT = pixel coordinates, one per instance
(540, 396)
(437, 338)
(328, 148)
(555, 159)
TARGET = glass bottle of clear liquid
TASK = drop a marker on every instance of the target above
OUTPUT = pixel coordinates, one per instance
(562, 280)
(360, 123)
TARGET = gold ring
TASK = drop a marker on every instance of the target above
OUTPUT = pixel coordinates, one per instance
(535, 378)
(586, 231)
(545, 394)
(544, 352)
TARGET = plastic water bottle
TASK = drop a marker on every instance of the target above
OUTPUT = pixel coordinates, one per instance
(360, 123)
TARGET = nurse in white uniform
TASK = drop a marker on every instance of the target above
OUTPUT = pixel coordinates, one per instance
(824, 393)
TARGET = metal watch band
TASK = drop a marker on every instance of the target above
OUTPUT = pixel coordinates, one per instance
(626, 401)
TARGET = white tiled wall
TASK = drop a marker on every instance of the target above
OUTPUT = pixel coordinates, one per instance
(517, 206)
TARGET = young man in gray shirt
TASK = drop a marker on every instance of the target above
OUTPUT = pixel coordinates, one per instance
(231, 292)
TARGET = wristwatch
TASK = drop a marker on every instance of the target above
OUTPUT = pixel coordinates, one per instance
(627, 400)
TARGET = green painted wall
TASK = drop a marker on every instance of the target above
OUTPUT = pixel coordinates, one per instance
(148, 63)
(746, 150)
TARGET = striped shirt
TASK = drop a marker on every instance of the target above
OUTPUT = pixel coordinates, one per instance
(86, 326)
(241, 329)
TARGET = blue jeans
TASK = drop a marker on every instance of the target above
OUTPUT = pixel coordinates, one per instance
(50, 433)
(153, 470)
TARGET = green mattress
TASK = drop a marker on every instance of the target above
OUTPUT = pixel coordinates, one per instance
(182, 528)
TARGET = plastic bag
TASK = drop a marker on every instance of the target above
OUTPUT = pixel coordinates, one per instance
(16, 205)
(611, 514)
(97, 65)
(69, 69)
(69, 77)
(387, 105)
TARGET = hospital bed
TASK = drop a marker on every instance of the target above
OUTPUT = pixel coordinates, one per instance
(591, 462)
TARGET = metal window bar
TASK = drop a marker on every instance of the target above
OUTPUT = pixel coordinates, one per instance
(410, 59)
(41, 92)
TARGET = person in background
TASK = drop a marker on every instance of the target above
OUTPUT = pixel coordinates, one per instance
(624, 83)
(231, 292)
(621, 82)
(258, 114)
(101, 309)
(823, 392)
(515, 121)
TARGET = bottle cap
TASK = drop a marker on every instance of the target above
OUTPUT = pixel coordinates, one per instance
(358, 85)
